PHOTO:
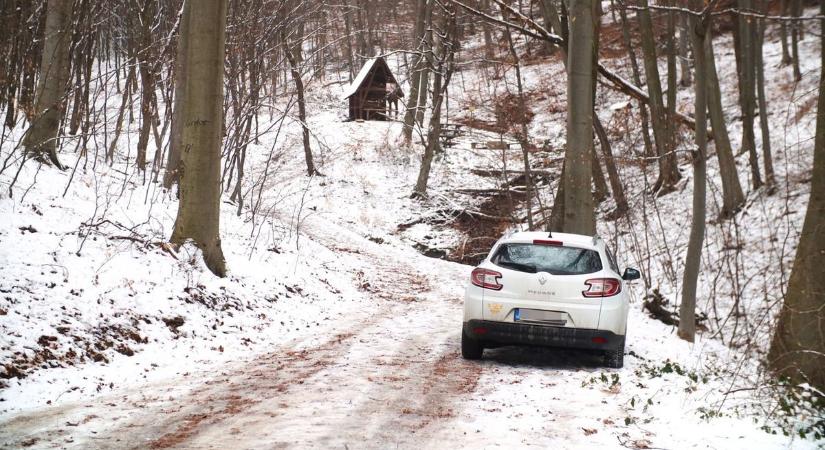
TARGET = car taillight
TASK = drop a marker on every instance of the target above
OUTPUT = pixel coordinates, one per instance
(602, 287)
(486, 278)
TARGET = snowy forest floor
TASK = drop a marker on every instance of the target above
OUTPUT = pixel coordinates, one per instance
(331, 330)
(369, 357)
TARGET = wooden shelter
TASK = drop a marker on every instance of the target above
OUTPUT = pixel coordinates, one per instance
(374, 93)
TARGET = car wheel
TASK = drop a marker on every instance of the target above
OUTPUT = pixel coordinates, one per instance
(470, 348)
(614, 358)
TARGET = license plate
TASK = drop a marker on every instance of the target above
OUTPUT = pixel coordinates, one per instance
(538, 315)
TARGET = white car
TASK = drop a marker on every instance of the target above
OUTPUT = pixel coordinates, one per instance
(548, 289)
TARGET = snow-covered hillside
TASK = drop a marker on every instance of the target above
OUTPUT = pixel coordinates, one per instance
(332, 330)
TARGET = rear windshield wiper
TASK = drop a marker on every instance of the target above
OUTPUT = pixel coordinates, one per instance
(518, 266)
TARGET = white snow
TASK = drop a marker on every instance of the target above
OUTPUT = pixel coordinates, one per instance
(331, 331)
(362, 75)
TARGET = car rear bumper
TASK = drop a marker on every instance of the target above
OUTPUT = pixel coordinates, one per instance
(519, 333)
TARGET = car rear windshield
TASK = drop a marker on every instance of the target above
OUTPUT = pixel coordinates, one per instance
(554, 259)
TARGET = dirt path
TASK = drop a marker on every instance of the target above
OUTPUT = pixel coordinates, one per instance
(387, 374)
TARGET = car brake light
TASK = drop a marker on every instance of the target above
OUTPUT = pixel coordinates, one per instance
(486, 278)
(602, 287)
(547, 242)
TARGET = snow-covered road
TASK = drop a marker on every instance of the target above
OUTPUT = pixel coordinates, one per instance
(389, 376)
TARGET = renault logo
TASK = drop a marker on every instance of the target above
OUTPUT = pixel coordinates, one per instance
(542, 280)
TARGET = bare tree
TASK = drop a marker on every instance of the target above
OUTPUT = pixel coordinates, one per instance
(172, 175)
(42, 136)
(198, 216)
(419, 64)
(292, 50)
(579, 216)
(732, 196)
(687, 308)
(798, 346)
(745, 55)
(759, 66)
(442, 64)
(668, 169)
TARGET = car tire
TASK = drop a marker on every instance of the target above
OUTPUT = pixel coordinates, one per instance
(471, 348)
(614, 358)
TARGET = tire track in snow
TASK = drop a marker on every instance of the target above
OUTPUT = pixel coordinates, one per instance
(393, 369)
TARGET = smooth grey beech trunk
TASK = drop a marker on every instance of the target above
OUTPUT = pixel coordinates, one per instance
(668, 169)
(41, 138)
(762, 102)
(419, 63)
(634, 65)
(798, 346)
(171, 175)
(424, 82)
(579, 214)
(198, 216)
(442, 74)
(744, 45)
(687, 307)
(612, 171)
(684, 47)
(292, 50)
(732, 196)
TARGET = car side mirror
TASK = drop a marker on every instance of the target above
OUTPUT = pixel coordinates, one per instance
(631, 274)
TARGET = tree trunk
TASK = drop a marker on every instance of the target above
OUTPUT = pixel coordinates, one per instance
(796, 11)
(441, 80)
(198, 216)
(551, 21)
(684, 48)
(668, 169)
(523, 135)
(764, 126)
(292, 52)
(798, 347)
(42, 136)
(424, 83)
(732, 196)
(433, 134)
(489, 45)
(347, 12)
(172, 175)
(556, 222)
(579, 214)
(600, 191)
(687, 308)
(415, 73)
(745, 51)
(612, 172)
(783, 33)
(637, 79)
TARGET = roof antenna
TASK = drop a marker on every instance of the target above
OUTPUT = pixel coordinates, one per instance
(550, 234)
